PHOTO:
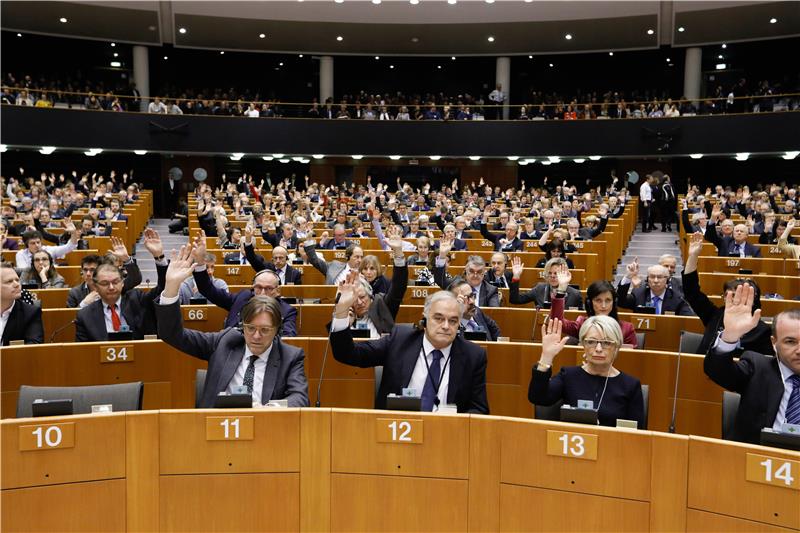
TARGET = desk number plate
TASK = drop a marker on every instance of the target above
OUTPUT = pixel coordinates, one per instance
(573, 445)
(399, 430)
(773, 471)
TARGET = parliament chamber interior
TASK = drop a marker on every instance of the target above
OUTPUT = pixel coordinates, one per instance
(383, 266)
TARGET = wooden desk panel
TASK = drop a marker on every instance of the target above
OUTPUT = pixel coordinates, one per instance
(406, 504)
(787, 286)
(732, 265)
(180, 431)
(717, 483)
(444, 452)
(101, 506)
(242, 502)
(703, 522)
(98, 452)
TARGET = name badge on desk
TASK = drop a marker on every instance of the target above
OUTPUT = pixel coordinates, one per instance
(585, 404)
(409, 392)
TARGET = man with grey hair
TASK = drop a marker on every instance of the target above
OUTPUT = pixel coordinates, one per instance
(430, 361)
(670, 262)
(543, 293)
(486, 294)
(654, 294)
(189, 288)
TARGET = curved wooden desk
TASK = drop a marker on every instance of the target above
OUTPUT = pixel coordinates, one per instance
(351, 470)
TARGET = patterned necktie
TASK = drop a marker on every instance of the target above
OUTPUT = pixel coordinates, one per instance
(429, 391)
(793, 406)
(657, 304)
(250, 374)
(115, 321)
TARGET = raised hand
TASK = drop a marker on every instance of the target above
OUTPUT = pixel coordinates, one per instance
(695, 244)
(324, 238)
(632, 269)
(716, 211)
(445, 245)
(248, 234)
(199, 247)
(119, 250)
(395, 240)
(180, 268)
(552, 343)
(152, 241)
(739, 316)
(564, 277)
(517, 267)
(347, 289)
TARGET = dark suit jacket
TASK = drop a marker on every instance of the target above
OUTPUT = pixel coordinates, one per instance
(234, 303)
(758, 379)
(398, 354)
(514, 246)
(133, 277)
(488, 297)
(724, 244)
(259, 263)
(275, 240)
(137, 309)
(489, 326)
(540, 295)
(330, 244)
(491, 278)
(641, 297)
(284, 377)
(459, 245)
(24, 323)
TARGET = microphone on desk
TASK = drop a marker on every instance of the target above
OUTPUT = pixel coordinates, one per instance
(327, 347)
(677, 380)
(62, 328)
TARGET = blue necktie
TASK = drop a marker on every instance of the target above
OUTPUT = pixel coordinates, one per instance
(793, 406)
(432, 381)
(657, 304)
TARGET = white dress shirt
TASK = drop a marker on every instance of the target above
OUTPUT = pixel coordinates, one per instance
(107, 315)
(4, 318)
(258, 378)
(420, 373)
(645, 192)
(24, 257)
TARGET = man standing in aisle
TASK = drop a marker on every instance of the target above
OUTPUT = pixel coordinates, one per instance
(646, 203)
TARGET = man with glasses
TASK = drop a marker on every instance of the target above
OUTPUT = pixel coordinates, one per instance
(486, 294)
(116, 310)
(543, 293)
(429, 361)
(248, 357)
(265, 283)
(654, 294)
(473, 318)
(85, 293)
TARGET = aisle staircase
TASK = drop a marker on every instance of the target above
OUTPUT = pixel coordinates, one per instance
(648, 247)
(171, 242)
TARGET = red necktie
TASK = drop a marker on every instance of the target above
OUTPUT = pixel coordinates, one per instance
(114, 317)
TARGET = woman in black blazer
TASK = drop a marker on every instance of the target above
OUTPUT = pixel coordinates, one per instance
(614, 394)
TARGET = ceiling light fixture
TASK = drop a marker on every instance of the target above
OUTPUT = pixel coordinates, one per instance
(438, 66)
(318, 156)
(236, 156)
(394, 157)
(554, 159)
(579, 160)
(453, 58)
(391, 66)
(3, 148)
(182, 30)
(262, 35)
(650, 31)
(551, 65)
(546, 163)
(742, 156)
(530, 160)
(300, 55)
(594, 157)
(376, 2)
(377, 58)
(140, 152)
(339, 38)
(530, 57)
(790, 155)
(720, 57)
(339, 1)
(513, 157)
(724, 46)
(435, 157)
(89, 154)
(116, 54)
(298, 158)
(19, 35)
(267, 157)
(490, 39)
(668, 60)
(47, 150)
(305, 161)
(474, 158)
(277, 156)
(523, 162)
(357, 157)
(681, 29)
(222, 52)
(116, 64)
(568, 37)
(280, 64)
(452, 2)
(95, 151)
(696, 156)
(721, 66)
(771, 21)
(414, 2)
(166, 57)
(489, 1)
(611, 53)
(284, 160)
(415, 39)
(63, 20)
(113, 45)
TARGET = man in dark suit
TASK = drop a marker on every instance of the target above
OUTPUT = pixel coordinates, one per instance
(473, 318)
(474, 272)
(432, 361)
(265, 283)
(18, 320)
(769, 387)
(449, 233)
(543, 293)
(251, 357)
(377, 312)
(279, 264)
(286, 238)
(654, 294)
(79, 295)
(339, 242)
(734, 246)
(498, 275)
(506, 242)
(115, 311)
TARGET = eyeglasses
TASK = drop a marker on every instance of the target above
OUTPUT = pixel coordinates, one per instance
(258, 289)
(656, 276)
(592, 343)
(251, 329)
(109, 282)
(475, 273)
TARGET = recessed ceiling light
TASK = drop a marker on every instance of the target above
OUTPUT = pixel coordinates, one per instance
(301, 55)
(724, 45)
(414, 2)
(318, 156)
(696, 156)
(530, 57)
(790, 155)
(474, 158)
(377, 58)
(182, 30)
(489, 1)
(376, 2)
(415, 39)
(113, 45)
(391, 66)
(721, 66)
(305, 161)
(339, 1)
(438, 66)
(140, 152)
(435, 157)
(513, 157)
(545, 163)
(357, 156)
(681, 29)
(116, 64)
(594, 157)
(19, 35)
(523, 162)
(668, 60)
(530, 160)
(528, 1)
(394, 157)
(262, 35)
(453, 58)
(490, 39)
(166, 57)
(284, 160)
(611, 53)
(339, 38)
(47, 150)
(116, 54)
(551, 65)
(579, 160)
(650, 31)
(267, 157)
(568, 37)
(236, 156)
(452, 2)
(222, 52)
(771, 21)
(298, 158)
(720, 57)
(280, 64)
(742, 156)
(554, 159)
(63, 20)
(277, 156)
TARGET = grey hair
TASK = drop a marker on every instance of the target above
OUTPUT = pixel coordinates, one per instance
(666, 256)
(475, 260)
(554, 261)
(791, 314)
(438, 297)
(606, 324)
